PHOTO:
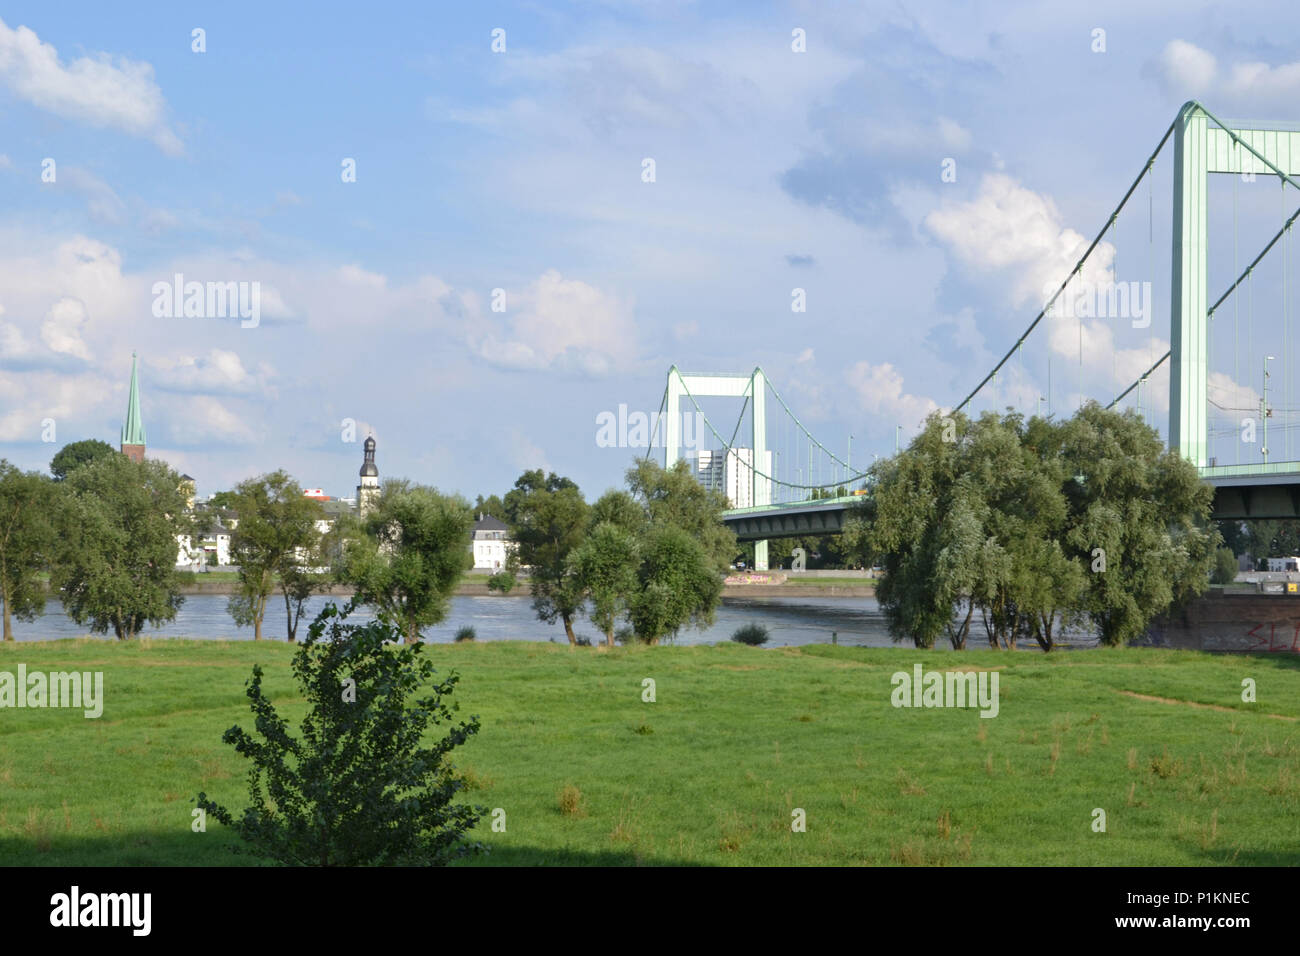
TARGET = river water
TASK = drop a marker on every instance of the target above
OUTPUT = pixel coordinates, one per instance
(789, 620)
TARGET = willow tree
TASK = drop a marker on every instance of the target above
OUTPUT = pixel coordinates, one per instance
(26, 538)
(411, 553)
(119, 523)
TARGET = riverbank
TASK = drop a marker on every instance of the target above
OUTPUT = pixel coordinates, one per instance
(712, 771)
(476, 586)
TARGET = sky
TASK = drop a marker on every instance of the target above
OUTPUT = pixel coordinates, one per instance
(500, 270)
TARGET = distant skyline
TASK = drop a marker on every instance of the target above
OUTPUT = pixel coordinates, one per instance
(524, 171)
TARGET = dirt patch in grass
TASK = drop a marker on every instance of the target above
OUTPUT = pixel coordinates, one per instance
(1198, 706)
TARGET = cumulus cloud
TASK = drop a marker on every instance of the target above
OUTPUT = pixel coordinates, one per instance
(99, 90)
(220, 372)
(880, 394)
(1187, 70)
(561, 324)
(62, 328)
(1007, 226)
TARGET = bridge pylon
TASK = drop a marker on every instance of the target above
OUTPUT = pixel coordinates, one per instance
(752, 387)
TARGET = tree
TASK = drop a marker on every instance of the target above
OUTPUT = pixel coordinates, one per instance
(605, 566)
(78, 453)
(26, 539)
(914, 492)
(1140, 513)
(358, 787)
(1225, 567)
(414, 551)
(491, 505)
(677, 584)
(116, 558)
(276, 534)
(674, 497)
(548, 520)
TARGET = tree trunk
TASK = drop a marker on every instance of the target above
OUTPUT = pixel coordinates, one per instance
(9, 631)
(290, 625)
(412, 635)
(609, 635)
(568, 630)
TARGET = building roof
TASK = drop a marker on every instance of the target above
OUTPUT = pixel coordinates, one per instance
(368, 469)
(133, 430)
(489, 523)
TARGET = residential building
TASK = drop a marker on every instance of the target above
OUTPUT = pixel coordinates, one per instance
(491, 543)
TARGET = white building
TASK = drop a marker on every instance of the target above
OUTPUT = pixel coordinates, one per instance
(732, 473)
(214, 541)
(491, 543)
(1289, 563)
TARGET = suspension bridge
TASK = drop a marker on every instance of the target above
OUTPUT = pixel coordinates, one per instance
(782, 481)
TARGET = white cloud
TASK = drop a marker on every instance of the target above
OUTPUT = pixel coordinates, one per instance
(99, 91)
(204, 420)
(62, 328)
(1186, 69)
(1008, 226)
(562, 324)
(879, 390)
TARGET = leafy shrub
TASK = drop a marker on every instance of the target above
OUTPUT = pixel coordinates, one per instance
(751, 634)
(357, 788)
(466, 633)
(502, 581)
(582, 640)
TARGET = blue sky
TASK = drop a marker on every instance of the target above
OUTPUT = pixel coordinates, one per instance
(522, 171)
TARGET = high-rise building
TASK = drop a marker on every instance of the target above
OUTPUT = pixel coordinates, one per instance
(133, 431)
(732, 473)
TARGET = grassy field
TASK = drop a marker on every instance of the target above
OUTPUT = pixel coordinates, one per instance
(709, 773)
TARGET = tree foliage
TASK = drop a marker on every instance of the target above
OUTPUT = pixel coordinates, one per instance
(548, 520)
(276, 542)
(78, 453)
(412, 552)
(26, 541)
(116, 557)
(1037, 524)
(358, 786)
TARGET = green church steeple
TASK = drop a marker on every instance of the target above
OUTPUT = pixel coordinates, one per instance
(133, 430)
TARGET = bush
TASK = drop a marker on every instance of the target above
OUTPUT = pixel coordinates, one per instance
(502, 581)
(625, 635)
(357, 788)
(466, 633)
(751, 634)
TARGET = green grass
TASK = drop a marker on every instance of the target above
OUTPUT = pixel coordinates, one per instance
(709, 773)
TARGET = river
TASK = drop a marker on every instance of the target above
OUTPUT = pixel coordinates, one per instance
(789, 620)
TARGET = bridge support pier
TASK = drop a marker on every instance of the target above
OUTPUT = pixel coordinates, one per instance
(760, 555)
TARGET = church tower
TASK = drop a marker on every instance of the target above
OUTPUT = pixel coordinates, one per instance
(133, 431)
(368, 490)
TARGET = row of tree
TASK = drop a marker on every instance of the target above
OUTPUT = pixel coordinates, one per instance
(103, 535)
(652, 557)
(1036, 524)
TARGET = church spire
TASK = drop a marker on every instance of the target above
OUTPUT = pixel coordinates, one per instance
(133, 431)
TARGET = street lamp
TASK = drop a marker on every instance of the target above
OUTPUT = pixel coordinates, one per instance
(1264, 410)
